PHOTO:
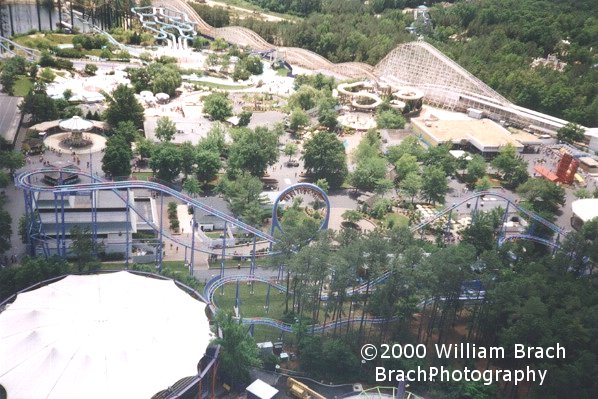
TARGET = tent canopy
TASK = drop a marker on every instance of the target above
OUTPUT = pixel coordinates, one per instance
(75, 124)
(114, 335)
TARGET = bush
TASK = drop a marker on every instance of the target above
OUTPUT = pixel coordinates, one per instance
(91, 69)
(68, 53)
(89, 42)
(174, 224)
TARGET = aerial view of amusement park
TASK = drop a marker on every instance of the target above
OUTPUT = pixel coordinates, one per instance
(298, 199)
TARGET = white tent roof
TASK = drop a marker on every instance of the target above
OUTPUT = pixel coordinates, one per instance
(586, 209)
(112, 335)
(75, 124)
(262, 390)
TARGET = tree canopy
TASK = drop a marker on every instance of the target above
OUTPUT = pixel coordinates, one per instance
(325, 158)
(123, 106)
(253, 150)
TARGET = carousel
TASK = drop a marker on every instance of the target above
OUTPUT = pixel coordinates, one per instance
(75, 127)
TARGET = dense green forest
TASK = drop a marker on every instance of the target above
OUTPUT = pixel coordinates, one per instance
(496, 40)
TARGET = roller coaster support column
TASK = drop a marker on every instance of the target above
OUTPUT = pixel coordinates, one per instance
(63, 238)
(557, 242)
(474, 213)
(94, 221)
(503, 228)
(127, 243)
(447, 229)
(252, 268)
(237, 302)
(161, 239)
(192, 256)
(56, 225)
(223, 255)
(29, 217)
(268, 299)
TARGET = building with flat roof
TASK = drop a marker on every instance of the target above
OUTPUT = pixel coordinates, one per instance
(584, 210)
(483, 134)
(110, 220)
(10, 117)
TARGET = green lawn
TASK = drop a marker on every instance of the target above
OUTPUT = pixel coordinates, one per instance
(282, 72)
(252, 305)
(142, 175)
(22, 86)
(254, 7)
(44, 39)
(397, 219)
(218, 85)
(233, 263)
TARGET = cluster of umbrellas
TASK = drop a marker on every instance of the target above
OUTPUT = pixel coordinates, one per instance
(149, 97)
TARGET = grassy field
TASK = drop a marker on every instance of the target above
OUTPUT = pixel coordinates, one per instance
(142, 175)
(219, 85)
(252, 305)
(396, 219)
(233, 263)
(22, 86)
(44, 40)
(254, 7)
(282, 72)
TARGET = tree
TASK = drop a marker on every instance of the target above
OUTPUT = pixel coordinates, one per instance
(512, 169)
(290, 149)
(253, 150)
(192, 187)
(410, 145)
(208, 165)
(117, 157)
(188, 157)
(215, 140)
(12, 160)
(243, 195)
(305, 98)
(84, 250)
(127, 130)
(323, 185)
(219, 44)
(405, 165)
(254, 65)
(47, 76)
(325, 158)
(483, 184)
(245, 118)
(218, 106)
(165, 129)
(368, 173)
(571, 133)
(476, 168)
(390, 119)
(298, 119)
(144, 147)
(542, 195)
(123, 106)
(327, 117)
(434, 184)
(12, 68)
(238, 350)
(411, 185)
(90, 69)
(39, 105)
(166, 161)
(5, 229)
(351, 216)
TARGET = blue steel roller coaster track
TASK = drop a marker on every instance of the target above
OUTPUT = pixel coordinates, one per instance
(24, 182)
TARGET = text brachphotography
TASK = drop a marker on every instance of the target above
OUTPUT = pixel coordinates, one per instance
(444, 374)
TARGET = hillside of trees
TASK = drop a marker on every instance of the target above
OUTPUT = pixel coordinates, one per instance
(496, 40)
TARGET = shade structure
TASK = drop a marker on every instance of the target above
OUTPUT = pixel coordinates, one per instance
(116, 335)
(75, 124)
(162, 97)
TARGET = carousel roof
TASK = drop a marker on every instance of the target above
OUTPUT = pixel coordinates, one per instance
(75, 124)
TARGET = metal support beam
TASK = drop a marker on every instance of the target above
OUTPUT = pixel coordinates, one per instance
(161, 238)
(127, 242)
(192, 256)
